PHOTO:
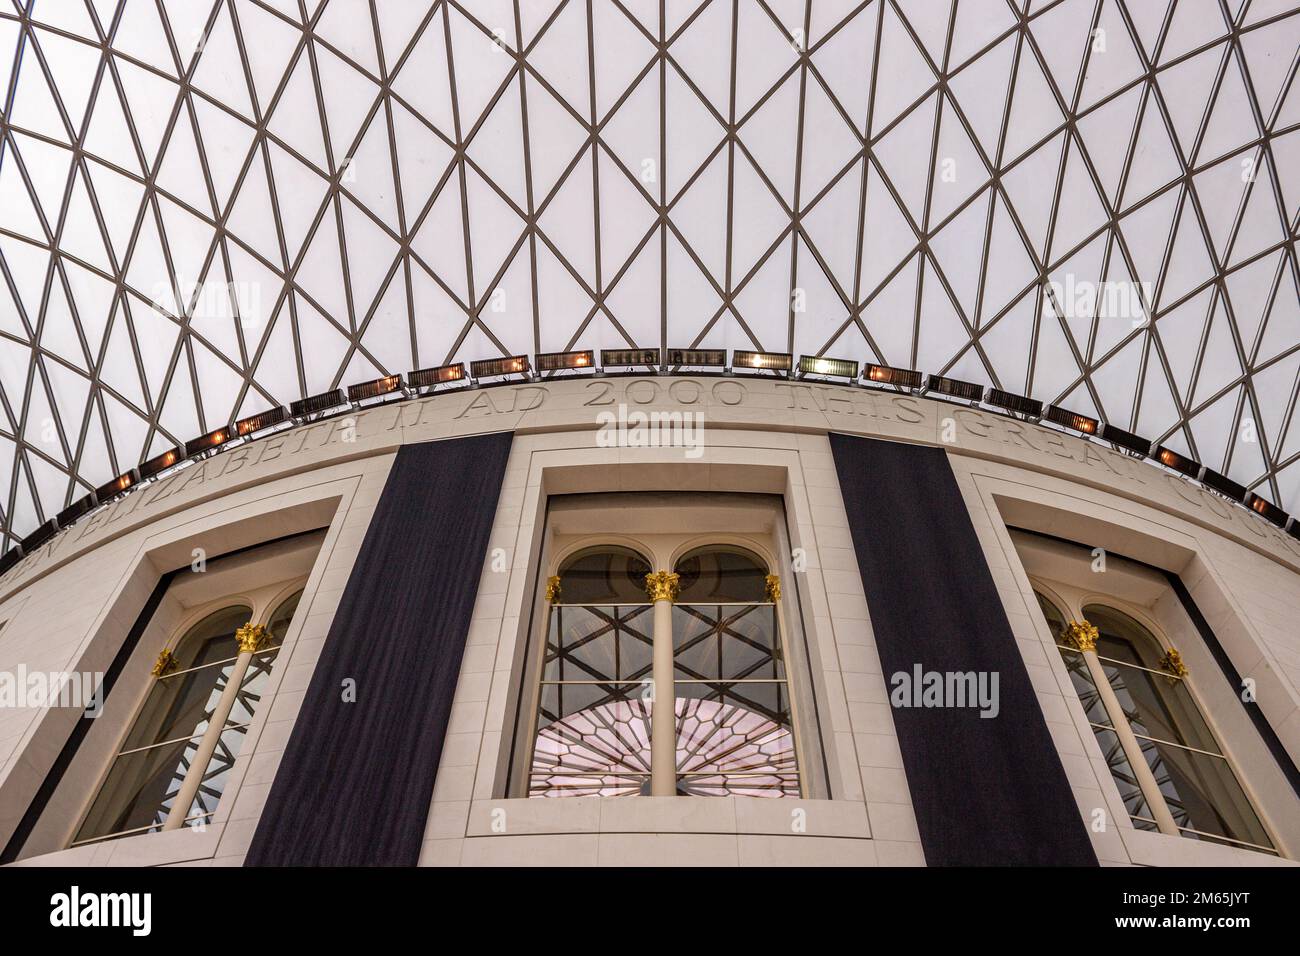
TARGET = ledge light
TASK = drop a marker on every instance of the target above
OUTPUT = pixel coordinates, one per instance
(266, 419)
(1266, 508)
(887, 375)
(1013, 402)
(696, 358)
(75, 510)
(558, 361)
(629, 358)
(831, 367)
(766, 361)
(1063, 416)
(315, 404)
(213, 439)
(118, 485)
(955, 387)
(38, 537)
(1293, 529)
(439, 375)
(1179, 463)
(1223, 485)
(1126, 440)
(11, 557)
(487, 368)
(373, 389)
(160, 463)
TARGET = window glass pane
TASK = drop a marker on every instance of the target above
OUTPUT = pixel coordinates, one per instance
(1055, 620)
(604, 576)
(1159, 706)
(210, 640)
(594, 741)
(278, 626)
(735, 741)
(216, 776)
(1121, 638)
(734, 726)
(139, 789)
(721, 575)
(599, 643)
(1156, 705)
(179, 705)
(1203, 794)
(251, 687)
(726, 642)
(1085, 687)
(1121, 772)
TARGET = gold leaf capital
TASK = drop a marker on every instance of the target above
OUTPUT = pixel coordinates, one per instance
(1172, 664)
(552, 588)
(165, 664)
(251, 637)
(661, 586)
(1081, 635)
(773, 588)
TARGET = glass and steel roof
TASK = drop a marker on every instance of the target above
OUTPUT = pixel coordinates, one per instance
(211, 206)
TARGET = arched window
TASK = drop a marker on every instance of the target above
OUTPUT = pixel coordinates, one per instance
(1170, 771)
(712, 625)
(734, 724)
(1112, 747)
(172, 767)
(593, 715)
(605, 575)
(721, 576)
(1195, 779)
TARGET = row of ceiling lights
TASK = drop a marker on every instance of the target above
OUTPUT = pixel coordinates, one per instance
(781, 364)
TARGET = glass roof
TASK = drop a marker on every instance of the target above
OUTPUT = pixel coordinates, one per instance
(1088, 201)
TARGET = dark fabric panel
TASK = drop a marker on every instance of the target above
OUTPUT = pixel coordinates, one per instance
(354, 785)
(987, 791)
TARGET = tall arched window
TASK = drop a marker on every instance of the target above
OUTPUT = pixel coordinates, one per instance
(1171, 772)
(734, 725)
(593, 715)
(691, 660)
(173, 764)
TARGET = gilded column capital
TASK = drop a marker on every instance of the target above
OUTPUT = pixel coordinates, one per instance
(661, 586)
(552, 589)
(251, 637)
(165, 664)
(1172, 663)
(1081, 635)
(773, 588)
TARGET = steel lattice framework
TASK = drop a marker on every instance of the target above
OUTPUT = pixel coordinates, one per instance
(210, 206)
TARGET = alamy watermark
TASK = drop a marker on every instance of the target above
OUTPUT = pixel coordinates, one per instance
(922, 688)
(79, 689)
(1085, 299)
(637, 429)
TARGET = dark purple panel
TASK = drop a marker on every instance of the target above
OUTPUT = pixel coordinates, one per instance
(987, 791)
(356, 779)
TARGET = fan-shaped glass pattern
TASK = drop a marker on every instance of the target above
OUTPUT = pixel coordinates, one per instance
(210, 206)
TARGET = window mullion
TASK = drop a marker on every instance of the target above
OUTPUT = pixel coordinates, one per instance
(250, 638)
(662, 588)
(1084, 637)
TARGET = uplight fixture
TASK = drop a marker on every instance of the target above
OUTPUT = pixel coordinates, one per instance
(830, 367)
(888, 375)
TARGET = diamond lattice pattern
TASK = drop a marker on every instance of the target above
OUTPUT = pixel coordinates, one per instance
(210, 206)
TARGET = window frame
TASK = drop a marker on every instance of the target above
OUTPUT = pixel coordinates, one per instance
(666, 554)
(262, 604)
(1071, 602)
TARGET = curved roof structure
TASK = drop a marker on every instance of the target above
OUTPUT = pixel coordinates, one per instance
(212, 206)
